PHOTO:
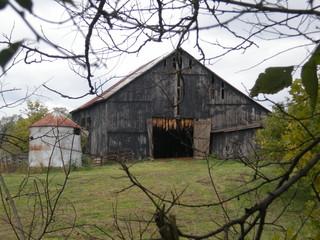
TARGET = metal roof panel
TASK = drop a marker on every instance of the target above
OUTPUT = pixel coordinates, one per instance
(123, 82)
(55, 119)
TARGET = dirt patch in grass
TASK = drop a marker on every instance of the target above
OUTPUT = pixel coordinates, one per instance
(205, 181)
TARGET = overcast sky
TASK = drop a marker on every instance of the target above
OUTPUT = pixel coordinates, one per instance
(238, 68)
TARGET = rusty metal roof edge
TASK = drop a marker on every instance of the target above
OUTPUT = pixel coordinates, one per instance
(134, 74)
(55, 119)
(124, 81)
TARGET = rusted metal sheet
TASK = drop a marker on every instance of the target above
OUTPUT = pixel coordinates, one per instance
(35, 148)
(55, 119)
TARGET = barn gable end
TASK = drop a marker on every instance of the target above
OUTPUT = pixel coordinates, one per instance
(167, 108)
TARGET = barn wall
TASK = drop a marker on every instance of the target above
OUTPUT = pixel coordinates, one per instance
(121, 121)
(117, 125)
(233, 144)
(95, 120)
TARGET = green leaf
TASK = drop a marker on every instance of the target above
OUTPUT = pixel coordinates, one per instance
(272, 80)
(7, 53)
(310, 81)
(309, 76)
(27, 4)
(316, 55)
(3, 4)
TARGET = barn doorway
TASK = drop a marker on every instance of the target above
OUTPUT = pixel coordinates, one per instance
(172, 138)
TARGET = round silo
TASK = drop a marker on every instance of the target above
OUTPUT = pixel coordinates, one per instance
(55, 142)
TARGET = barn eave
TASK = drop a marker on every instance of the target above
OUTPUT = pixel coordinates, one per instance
(255, 125)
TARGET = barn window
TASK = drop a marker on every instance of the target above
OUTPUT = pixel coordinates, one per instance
(88, 125)
(83, 122)
(178, 94)
(165, 63)
(174, 63)
(180, 63)
(178, 101)
(190, 64)
(222, 90)
(212, 88)
(76, 131)
(177, 63)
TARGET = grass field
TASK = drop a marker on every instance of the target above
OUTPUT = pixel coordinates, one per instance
(93, 197)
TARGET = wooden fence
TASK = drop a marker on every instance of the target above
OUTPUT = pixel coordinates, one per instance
(112, 156)
(11, 162)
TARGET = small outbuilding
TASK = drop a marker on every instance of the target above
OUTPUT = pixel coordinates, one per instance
(55, 141)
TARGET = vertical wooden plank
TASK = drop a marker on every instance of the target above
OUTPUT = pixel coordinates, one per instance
(201, 138)
(150, 137)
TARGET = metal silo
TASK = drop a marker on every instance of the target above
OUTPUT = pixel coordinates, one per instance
(55, 142)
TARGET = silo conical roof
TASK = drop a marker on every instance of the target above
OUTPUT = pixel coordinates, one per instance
(55, 119)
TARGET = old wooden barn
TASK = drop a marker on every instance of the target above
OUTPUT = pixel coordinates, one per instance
(172, 106)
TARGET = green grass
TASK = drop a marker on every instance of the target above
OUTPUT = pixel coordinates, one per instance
(93, 197)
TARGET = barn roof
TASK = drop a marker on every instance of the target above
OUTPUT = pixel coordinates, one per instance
(55, 119)
(123, 82)
(135, 74)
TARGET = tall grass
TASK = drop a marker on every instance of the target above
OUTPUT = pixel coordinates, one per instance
(95, 198)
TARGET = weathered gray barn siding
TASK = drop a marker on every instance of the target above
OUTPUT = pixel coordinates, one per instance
(120, 121)
(233, 144)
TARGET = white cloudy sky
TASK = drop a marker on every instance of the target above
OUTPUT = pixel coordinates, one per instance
(238, 68)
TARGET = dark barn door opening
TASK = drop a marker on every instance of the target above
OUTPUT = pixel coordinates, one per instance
(173, 140)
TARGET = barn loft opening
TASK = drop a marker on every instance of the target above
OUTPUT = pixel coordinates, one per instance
(172, 138)
(212, 88)
(222, 90)
(76, 131)
(190, 64)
